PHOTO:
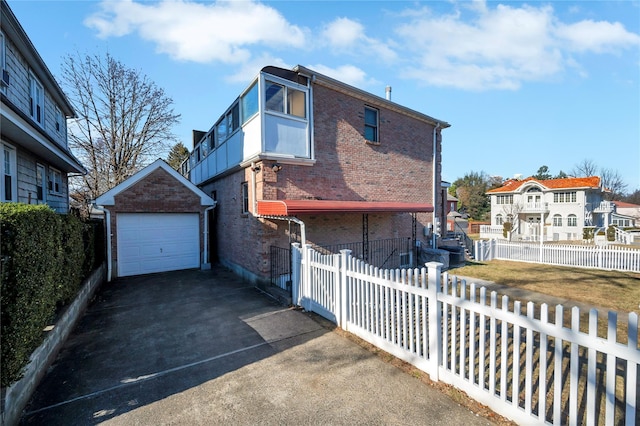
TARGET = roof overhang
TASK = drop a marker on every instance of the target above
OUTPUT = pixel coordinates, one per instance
(302, 207)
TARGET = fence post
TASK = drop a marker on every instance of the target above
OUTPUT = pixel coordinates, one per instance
(343, 322)
(306, 280)
(434, 276)
(296, 264)
(479, 254)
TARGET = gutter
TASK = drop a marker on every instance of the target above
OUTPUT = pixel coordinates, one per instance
(107, 219)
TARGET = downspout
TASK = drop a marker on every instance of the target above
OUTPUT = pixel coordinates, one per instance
(107, 219)
(435, 187)
(254, 188)
(206, 265)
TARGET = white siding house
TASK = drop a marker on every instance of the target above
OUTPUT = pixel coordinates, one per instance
(34, 157)
(553, 209)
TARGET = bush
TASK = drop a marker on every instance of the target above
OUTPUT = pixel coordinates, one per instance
(588, 233)
(506, 227)
(42, 267)
(611, 233)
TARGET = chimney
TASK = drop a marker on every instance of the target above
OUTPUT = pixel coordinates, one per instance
(387, 91)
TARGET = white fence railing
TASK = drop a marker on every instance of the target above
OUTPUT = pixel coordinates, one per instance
(522, 365)
(595, 257)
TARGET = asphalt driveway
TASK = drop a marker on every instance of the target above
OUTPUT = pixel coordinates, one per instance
(204, 347)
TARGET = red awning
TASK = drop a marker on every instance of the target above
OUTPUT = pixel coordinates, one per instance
(296, 207)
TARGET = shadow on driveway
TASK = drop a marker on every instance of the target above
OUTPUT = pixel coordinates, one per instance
(204, 347)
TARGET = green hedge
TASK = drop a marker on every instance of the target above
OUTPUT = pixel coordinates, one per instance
(43, 265)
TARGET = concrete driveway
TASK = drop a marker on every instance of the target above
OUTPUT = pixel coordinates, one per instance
(203, 347)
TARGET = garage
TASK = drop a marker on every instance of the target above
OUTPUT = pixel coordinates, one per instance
(157, 242)
(156, 221)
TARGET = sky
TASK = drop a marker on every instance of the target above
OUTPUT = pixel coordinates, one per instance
(523, 84)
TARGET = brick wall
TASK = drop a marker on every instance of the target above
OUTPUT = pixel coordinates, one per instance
(347, 167)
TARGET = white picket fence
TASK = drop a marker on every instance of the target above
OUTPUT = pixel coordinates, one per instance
(523, 366)
(595, 257)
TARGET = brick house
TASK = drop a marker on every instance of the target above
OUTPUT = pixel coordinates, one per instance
(155, 222)
(35, 158)
(301, 157)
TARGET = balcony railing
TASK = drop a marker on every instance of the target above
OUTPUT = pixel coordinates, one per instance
(604, 207)
(538, 207)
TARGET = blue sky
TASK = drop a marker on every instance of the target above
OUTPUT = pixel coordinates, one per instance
(523, 84)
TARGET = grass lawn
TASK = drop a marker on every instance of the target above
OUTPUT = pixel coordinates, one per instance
(619, 291)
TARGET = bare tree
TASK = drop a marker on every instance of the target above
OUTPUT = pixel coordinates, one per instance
(611, 180)
(125, 120)
(512, 217)
(585, 168)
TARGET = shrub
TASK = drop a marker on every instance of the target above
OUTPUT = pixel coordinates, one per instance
(506, 227)
(611, 233)
(588, 233)
(42, 267)
(30, 247)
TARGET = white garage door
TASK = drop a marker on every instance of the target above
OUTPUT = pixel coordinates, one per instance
(157, 242)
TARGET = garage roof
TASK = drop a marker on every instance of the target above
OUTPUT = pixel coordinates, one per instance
(294, 207)
(108, 198)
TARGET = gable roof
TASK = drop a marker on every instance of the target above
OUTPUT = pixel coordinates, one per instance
(625, 205)
(108, 198)
(513, 185)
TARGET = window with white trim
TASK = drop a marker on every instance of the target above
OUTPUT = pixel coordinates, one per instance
(371, 124)
(499, 220)
(245, 197)
(36, 99)
(285, 100)
(55, 181)
(58, 120)
(9, 189)
(504, 199)
(565, 197)
(41, 179)
(3, 61)
(572, 220)
(557, 220)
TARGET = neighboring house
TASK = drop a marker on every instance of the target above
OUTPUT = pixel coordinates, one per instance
(628, 215)
(156, 222)
(35, 159)
(556, 209)
(301, 157)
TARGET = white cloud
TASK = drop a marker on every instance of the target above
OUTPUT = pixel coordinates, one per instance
(220, 31)
(500, 47)
(344, 35)
(250, 69)
(349, 74)
(598, 37)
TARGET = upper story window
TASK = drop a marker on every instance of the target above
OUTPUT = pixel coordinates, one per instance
(371, 124)
(275, 95)
(504, 199)
(9, 188)
(3, 62)
(249, 103)
(36, 99)
(564, 197)
(58, 119)
(557, 220)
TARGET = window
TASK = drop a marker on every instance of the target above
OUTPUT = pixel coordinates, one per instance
(9, 189)
(499, 220)
(41, 180)
(3, 62)
(245, 197)
(276, 94)
(572, 220)
(565, 197)
(221, 129)
(296, 104)
(55, 181)
(504, 199)
(233, 119)
(274, 99)
(557, 220)
(371, 124)
(58, 118)
(249, 103)
(36, 100)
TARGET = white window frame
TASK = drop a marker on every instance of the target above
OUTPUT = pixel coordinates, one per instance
(9, 160)
(36, 99)
(3, 59)
(58, 120)
(499, 219)
(53, 174)
(557, 220)
(43, 182)
(572, 220)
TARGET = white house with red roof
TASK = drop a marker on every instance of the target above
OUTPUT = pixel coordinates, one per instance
(551, 209)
